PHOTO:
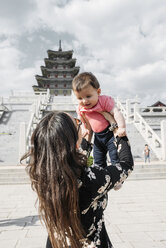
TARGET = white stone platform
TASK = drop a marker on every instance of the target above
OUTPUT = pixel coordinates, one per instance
(135, 216)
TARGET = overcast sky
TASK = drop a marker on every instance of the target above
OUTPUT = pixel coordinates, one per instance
(123, 42)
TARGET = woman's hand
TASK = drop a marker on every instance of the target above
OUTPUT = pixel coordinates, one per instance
(108, 117)
(119, 131)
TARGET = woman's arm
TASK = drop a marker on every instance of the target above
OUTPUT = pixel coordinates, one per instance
(100, 180)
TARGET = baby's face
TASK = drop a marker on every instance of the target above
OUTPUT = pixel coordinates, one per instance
(88, 96)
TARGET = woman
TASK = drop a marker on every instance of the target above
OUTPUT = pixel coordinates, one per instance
(72, 196)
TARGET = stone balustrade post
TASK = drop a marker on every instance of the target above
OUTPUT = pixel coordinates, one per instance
(163, 139)
(36, 107)
(1, 100)
(22, 141)
(128, 110)
(136, 110)
(32, 107)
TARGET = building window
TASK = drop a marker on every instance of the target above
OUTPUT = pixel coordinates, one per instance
(65, 92)
(56, 92)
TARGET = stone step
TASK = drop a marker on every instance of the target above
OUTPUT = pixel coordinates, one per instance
(147, 176)
(13, 175)
(154, 170)
(18, 174)
(13, 180)
(14, 170)
(149, 165)
(151, 170)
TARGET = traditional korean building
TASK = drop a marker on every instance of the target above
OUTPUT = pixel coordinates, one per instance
(156, 107)
(58, 73)
(158, 104)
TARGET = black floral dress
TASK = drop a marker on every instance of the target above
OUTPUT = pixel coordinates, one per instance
(93, 188)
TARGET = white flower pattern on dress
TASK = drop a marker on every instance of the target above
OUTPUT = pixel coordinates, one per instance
(100, 181)
(91, 175)
(119, 148)
(91, 229)
(104, 203)
(94, 205)
(118, 166)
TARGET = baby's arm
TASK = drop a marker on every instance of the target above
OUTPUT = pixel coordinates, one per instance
(88, 133)
(120, 121)
(86, 128)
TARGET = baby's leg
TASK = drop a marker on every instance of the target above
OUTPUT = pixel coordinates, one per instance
(99, 153)
(112, 149)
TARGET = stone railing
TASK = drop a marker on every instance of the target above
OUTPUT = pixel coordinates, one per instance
(122, 108)
(130, 109)
(61, 107)
(150, 111)
(61, 103)
(134, 114)
(20, 98)
(155, 142)
(3, 108)
(37, 108)
(37, 113)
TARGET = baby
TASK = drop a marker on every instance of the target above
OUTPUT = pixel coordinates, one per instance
(87, 90)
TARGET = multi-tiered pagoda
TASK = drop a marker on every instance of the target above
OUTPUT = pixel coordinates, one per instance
(58, 73)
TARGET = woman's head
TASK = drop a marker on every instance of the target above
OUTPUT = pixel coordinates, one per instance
(55, 165)
(55, 137)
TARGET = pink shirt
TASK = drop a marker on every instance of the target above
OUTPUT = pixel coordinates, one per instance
(97, 121)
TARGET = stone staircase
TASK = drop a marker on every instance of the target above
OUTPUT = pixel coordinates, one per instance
(9, 125)
(148, 171)
(18, 175)
(13, 175)
(150, 122)
(137, 143)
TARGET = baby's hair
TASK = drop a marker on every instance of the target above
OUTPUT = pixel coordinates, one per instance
(83, 80)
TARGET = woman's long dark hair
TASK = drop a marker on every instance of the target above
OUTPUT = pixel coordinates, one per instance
(54, 167)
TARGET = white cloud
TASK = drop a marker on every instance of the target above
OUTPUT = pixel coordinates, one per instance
(121, 42)
(16, 16)
(12, 77)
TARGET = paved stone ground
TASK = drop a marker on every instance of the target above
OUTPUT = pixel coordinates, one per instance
(135, 216)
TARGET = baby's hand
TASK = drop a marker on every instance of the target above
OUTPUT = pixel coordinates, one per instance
(121, 132)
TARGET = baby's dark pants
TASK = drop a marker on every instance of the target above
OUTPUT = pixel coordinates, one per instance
(103, 143)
